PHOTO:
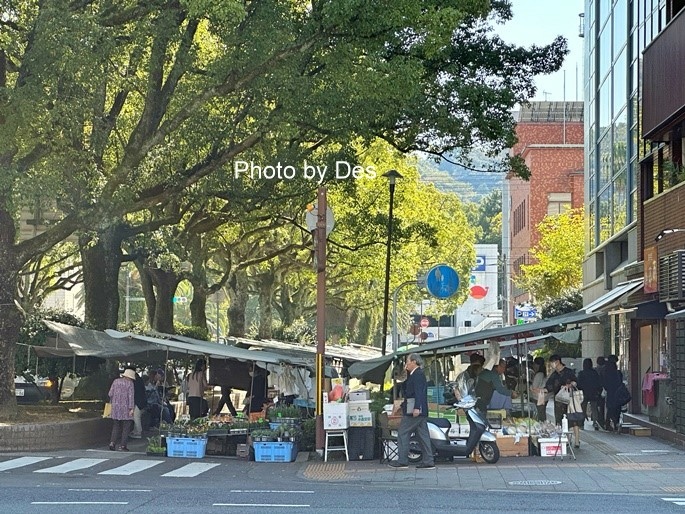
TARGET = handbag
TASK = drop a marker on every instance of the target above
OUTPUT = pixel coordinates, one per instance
(623, 396)
(107, 411)
(563, 396)
(575, 412)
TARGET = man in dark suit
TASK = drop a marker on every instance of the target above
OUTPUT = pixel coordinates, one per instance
(414, 419)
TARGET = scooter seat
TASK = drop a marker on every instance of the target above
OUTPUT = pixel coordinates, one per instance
(440, 422)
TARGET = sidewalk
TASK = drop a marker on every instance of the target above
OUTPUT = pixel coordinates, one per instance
(606, 463)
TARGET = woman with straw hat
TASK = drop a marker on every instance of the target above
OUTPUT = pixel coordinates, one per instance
(121, 396)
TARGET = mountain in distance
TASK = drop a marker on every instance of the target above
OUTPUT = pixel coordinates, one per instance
(471, 186)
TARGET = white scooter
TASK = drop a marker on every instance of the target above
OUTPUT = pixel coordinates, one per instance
(445, 447)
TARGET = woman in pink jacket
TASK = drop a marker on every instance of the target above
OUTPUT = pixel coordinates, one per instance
(121, 397)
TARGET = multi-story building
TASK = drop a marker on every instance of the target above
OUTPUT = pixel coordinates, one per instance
(635, 50)
(550, 140)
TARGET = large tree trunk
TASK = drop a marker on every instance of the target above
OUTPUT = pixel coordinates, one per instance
(238, 296)
(198, 307)
(166, 283)
(148, 291)
(266, 296)
(287, 308)
(10, 317)
(101, 260)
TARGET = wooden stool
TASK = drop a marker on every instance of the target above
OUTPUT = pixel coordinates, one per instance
(336, 434)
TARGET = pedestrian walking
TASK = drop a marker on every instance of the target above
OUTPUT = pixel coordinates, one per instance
(121, 396)
(601, 403)
(591, 385)
(415, 416)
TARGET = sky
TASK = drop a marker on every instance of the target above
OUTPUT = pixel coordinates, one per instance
(539, 22)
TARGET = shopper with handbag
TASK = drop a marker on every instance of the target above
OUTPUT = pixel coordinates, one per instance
(557, 384)
(575, 413)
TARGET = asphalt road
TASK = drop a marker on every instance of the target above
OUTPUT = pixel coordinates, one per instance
(135, 483)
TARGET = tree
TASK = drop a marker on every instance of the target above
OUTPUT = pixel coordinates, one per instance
(108, 109)
(558, 257)
(486, 217)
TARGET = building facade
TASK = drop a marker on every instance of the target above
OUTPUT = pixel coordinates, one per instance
(550, 140)
(633, 125)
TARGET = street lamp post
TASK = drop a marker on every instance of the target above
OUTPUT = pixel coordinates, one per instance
(392, 177)
(666, 232)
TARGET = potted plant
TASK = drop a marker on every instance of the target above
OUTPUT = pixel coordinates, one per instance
(154, 446)
(282, 413)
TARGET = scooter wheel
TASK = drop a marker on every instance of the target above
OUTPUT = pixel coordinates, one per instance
(489, 451)
(415, 453)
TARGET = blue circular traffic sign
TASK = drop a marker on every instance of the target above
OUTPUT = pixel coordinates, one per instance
(442, 281)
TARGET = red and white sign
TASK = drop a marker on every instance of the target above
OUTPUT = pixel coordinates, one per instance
(425, 322)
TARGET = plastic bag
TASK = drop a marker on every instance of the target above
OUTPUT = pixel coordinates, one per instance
(107, 411)
(563, 396)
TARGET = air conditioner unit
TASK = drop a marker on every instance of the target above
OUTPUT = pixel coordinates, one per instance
(672, 276)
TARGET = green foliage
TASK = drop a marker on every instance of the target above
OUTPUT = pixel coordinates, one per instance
(281, 411)
(154, 444)
(486, 217)
(200, 333)
(557, 258)
(379, 399)
(307, 440)
(570, 301)
(124, 115)
(299, 332)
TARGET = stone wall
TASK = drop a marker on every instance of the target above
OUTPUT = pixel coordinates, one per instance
(55, 436)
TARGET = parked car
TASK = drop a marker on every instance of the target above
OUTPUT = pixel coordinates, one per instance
(27, 392)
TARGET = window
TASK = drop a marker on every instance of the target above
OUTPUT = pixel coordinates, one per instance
(558, 203)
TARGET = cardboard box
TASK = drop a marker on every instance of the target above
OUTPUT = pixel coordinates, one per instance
(243, 451)
(361, 419)
(335, 416)
(359, 396)
(548, 447)
(360, 406)
(508, 447)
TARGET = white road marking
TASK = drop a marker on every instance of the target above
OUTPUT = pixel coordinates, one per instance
(190, 470)
(79, 503)
(111, 490)
(260, 505)
(675, 501)
(72, 466)
(132, 467)
(267, 491)
(21, 462)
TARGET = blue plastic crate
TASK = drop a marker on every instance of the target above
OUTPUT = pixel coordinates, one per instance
(187, 447)
(274, 452)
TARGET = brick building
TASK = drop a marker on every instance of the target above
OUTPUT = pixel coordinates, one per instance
(550, 140)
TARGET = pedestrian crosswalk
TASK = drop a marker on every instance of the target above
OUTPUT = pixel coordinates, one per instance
(675, 501)
(58, 466)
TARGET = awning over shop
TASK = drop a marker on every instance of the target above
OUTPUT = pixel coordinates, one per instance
(374, 369)
(614, 295)
(350, 353)
(118, 345)
(520, 331)
(676, 315)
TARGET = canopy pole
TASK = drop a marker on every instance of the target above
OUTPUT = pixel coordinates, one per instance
(528, 392)
(435, 380)
(73, 372)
